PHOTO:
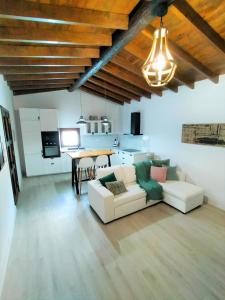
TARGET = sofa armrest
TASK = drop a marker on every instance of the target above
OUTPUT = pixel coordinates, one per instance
(101, 200)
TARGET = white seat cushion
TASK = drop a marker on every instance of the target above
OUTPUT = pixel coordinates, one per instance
(182, 190)
(134, 193)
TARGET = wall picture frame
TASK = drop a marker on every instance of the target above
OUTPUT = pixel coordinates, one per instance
(204, 134)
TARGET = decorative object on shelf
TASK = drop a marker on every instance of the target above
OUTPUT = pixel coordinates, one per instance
(105, 120)
(93, 118)
(81, 121)
(159, 67)
(2, 160)
(204, 134)
(116, 142)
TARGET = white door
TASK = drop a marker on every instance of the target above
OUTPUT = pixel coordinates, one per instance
(49, 119)
(29, 114)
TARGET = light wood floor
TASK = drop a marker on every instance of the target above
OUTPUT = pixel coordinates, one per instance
(61, 251)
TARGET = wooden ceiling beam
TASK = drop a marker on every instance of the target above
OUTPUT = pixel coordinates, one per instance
(93, 92)
(200, 24)
(122, 84)
(35, 91)
(113, 88)
(103, 91)
(185, 56)
(18, 83)
(49, 13)
(140, 18)
(40, 70)
(131, 78)
(44, 86)
(46, 77)
(46, 36)
(48, 51)
(125, 64)
(54, 62)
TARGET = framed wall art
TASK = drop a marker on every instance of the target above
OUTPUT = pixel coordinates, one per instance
(204, 134)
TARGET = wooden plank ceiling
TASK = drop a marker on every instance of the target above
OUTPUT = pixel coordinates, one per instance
(47, 45)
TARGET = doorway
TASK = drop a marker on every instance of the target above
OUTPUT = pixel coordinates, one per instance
(10, 152)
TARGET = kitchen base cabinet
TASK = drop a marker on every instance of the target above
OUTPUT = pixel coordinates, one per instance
(51, 165)
(34, 164)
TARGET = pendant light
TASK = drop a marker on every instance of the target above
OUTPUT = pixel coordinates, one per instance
(105, 120)
(159, 67)
(81, 120)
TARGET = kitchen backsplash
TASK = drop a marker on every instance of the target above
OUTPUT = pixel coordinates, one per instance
(139, 142)
(98, 141)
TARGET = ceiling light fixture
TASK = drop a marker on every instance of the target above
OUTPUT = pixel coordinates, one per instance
(159, 68)
(81, 120)
(105, 120)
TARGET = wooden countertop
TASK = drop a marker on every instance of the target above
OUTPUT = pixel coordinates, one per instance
(89, 153)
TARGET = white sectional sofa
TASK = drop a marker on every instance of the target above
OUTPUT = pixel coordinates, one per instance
(179, 194)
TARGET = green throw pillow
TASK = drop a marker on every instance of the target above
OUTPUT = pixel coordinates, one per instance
(109, 178)
(116, 187)
(172, 173)
(161, 163)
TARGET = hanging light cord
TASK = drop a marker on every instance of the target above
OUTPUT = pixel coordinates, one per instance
(161, 21)
(80, 104)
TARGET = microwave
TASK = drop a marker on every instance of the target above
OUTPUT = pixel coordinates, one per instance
(50, 144)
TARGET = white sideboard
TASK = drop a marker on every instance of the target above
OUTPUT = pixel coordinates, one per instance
(33, 121)
(127, 158)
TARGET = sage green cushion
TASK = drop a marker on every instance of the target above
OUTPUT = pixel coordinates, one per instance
(172, 173)
(161, 163)
(116, 187)
(108, 178)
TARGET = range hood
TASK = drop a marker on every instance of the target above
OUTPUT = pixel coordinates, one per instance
(135, 126)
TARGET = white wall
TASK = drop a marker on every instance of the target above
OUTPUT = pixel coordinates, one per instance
(162, 120)
(7, 207)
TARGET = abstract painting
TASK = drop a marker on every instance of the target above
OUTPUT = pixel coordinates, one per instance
(2, 160)
(204, 134)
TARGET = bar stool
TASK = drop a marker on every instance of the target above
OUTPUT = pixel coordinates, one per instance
(86, 165)
(101, 162)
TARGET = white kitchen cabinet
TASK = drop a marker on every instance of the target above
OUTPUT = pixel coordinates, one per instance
(129, 158)
(48, 120)
(34, 164)
(33, 121)
(66, 163)
(115, 159)
(51, 165)
(31, 135)
(96, 127)
(29, 114)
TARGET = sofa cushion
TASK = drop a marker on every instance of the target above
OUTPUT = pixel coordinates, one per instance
(129, 174)
(181, 190)
(108, 178)
(158, 173)
(160, 162)
(134, 192)
(117, 170)
(116, 187)
(172, 173)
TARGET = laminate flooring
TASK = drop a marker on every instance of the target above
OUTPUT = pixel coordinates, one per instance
(62, 251)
